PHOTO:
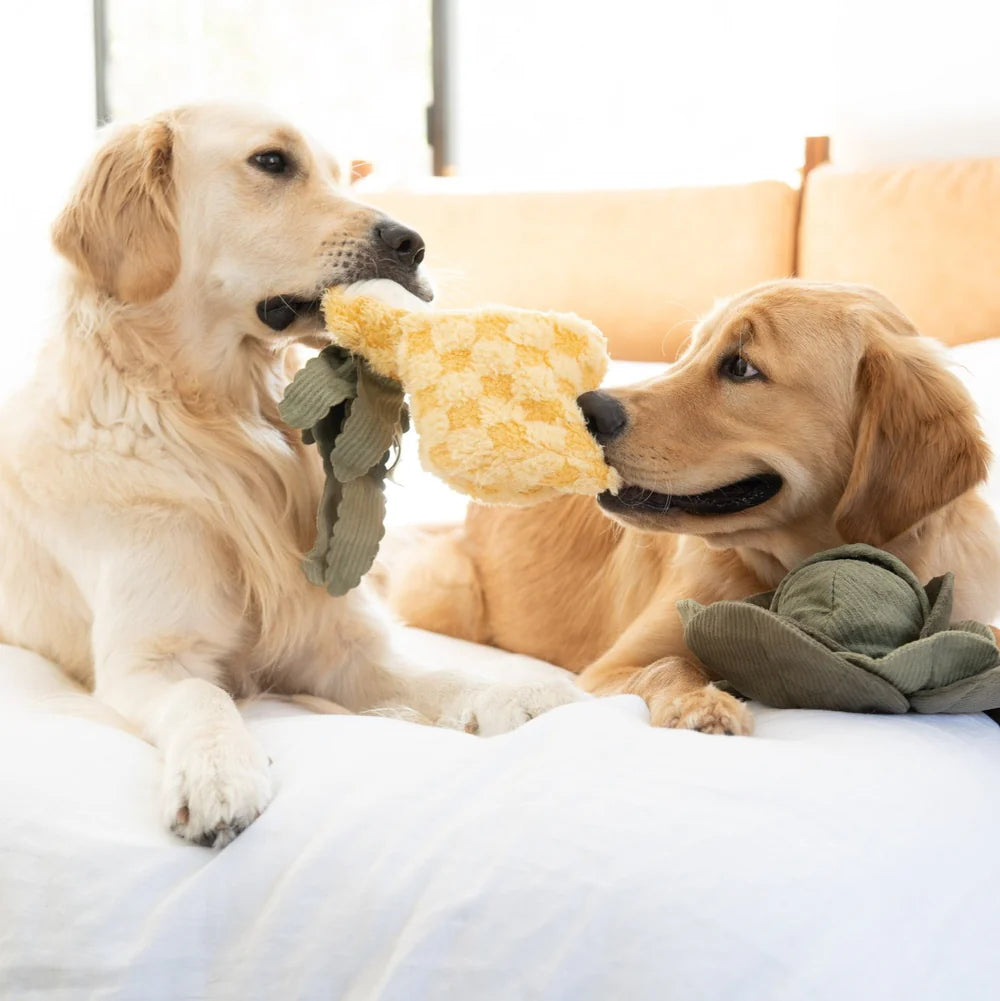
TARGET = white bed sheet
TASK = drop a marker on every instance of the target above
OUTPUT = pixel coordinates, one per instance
(585, 856)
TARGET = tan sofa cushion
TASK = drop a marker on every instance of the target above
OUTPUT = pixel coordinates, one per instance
(640, 264)
(928, 236)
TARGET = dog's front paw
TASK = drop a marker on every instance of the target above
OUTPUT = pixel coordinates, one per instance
(498, 708)
(213, 789)
(707, 710)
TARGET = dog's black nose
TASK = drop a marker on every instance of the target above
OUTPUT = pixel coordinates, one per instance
(606, 417)
(402, 243)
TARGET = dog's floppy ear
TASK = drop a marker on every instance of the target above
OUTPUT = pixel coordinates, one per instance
(918, 442)
(119, 229)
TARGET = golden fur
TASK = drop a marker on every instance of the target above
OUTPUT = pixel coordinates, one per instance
(154, 509)
(875, 441)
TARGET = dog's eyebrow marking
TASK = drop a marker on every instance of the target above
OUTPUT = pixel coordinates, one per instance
(286, 138)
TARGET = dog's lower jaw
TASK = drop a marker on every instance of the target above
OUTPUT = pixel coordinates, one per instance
(731, 498)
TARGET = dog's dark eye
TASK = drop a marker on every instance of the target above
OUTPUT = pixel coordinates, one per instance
(271, 161)
(737, 368)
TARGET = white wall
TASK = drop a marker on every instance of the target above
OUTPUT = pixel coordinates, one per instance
(914, 81)
(866, 136)
(47, 101)
(662, 91)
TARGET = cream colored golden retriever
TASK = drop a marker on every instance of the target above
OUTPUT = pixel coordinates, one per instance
(799, 417)
(154, 510)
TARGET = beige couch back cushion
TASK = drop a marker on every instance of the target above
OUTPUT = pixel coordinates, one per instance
(642, 265)
(927, 235)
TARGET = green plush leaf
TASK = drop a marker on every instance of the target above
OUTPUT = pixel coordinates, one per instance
(353, 416)
(357, 533)
(941, 594)
(325, 381)
(371, 427)
(936, 661)
(768, 658)
(687, 609)
(979, 693)
(316, 561)
(971, 626)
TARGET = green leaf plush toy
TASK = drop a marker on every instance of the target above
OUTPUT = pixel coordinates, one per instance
(354, 417)
(850, 629)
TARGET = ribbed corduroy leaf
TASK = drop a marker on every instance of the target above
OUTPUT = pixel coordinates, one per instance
(324, 381)
(353, 416)
(324, 434)
(371, 427)
(357, 532)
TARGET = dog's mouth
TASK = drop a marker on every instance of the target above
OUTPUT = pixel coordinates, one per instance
(279, 312)
(729, 499)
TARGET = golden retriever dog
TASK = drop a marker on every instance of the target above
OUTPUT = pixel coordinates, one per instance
(799, 417)
(154, 510)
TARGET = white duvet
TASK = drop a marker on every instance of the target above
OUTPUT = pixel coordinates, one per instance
(584, 856)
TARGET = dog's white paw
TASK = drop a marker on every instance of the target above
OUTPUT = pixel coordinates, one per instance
(488, 710)
(214, 788)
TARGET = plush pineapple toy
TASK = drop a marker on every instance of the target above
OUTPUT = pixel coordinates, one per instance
(492, 397)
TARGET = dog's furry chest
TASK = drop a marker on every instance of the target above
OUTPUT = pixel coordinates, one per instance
(242, 494)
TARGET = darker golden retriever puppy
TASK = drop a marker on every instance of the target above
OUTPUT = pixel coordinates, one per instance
(799, 417)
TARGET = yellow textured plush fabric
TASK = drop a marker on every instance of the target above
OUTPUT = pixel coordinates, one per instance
(492, 393)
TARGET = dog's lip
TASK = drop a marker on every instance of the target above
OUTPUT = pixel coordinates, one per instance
(730, 498)
(281, 311)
